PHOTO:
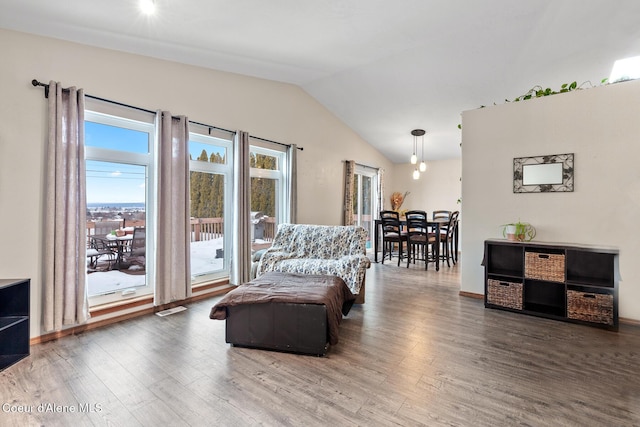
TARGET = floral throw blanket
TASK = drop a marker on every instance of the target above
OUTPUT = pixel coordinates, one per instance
(319, 249)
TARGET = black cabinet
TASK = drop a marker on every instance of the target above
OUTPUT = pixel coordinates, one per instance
(564, 282)
(14, 321)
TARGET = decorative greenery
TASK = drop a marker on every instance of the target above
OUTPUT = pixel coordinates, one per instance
(522, 231)
(539, 91)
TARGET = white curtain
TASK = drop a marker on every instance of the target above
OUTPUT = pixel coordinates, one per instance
(241, 248)
(292, 184)
(173, 263)
(65, 294)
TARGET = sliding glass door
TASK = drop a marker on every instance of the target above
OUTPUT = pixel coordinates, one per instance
(365, 199)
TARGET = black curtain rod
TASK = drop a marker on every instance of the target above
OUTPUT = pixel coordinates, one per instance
(274, 142)
(36, 83)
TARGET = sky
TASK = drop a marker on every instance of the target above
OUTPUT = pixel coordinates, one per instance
(109, 182)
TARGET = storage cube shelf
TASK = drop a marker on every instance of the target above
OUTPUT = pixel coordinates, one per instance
(14, 321)
(575, 283)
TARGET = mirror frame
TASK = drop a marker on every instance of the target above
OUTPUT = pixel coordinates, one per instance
(567, 173)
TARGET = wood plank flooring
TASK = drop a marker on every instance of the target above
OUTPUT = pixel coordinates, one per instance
(415, 354)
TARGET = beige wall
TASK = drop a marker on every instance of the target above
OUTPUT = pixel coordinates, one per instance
(438, 188)
(602, 127)
(267, 109)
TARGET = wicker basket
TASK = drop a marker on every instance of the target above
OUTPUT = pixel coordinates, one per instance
(543, 266)
(596, 308)
(504, 294)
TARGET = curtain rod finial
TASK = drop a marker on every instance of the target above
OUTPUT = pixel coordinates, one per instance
(35, 82)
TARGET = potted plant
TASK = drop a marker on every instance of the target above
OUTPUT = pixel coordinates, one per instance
(519, 231)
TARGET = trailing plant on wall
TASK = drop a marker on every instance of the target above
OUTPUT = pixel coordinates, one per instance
(539, 91)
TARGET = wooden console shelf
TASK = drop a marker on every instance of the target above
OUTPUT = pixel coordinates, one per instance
(14, 321)
(574, 283)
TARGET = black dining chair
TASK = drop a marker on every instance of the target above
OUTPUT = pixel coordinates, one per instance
(415, 214)
(441, 214)
(447, 240)
(419, 239)
(392, 234)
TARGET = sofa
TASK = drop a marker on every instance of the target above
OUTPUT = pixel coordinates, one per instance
(319, 249)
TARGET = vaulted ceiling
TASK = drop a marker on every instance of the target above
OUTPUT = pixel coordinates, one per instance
(383, 67)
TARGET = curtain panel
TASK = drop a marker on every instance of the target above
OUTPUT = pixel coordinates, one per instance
(65, 293)
(241, 246)
(292, 184)
(173, 230)
(349, 177)
(380, 192)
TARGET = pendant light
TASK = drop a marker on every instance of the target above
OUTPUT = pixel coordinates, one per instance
(423, 165)
(414, 158)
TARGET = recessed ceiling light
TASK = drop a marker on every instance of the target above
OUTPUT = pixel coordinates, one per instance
(148, 7)
(625, 69)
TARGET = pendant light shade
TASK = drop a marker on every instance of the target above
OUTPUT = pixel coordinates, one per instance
(416, 174)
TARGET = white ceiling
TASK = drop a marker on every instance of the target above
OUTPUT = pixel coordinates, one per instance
(384, 67)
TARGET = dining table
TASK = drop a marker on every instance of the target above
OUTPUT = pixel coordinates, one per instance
(435, 223)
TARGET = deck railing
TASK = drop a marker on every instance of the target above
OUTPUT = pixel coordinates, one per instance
(202, 229)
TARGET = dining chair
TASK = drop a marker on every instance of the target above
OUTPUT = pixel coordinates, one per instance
(455, 237)
(447, 240)
(392, 234)
(441, 214)
(419, 239)
(415, 214)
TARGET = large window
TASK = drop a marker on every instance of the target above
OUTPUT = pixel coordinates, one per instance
(267, 194)
(121, 197)
(210, 186)
(119, 153)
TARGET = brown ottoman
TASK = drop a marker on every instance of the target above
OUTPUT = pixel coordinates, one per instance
(286, 312)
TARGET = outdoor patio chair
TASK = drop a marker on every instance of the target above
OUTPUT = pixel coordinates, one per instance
(100, 249)
(136, 250)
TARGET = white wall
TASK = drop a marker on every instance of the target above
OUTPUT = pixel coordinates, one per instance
(602, 127)
(438, 188)
(267, 109)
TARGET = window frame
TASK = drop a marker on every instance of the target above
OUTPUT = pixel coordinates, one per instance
(128, 119)
(200, 135)
(279, 175)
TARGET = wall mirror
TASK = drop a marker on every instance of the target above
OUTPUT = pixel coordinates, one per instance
(543, 174)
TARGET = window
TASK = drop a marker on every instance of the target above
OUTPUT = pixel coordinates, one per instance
(119, 153)
(267, 194)
(210, 186)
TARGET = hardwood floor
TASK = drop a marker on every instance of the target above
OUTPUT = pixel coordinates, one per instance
(415, 354)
